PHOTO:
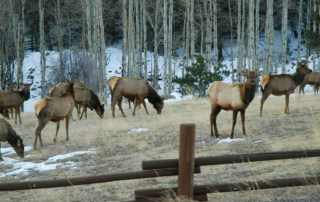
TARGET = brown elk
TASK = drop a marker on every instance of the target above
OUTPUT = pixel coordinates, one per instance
(282, 84)
(86, 97)
(235, 97)
(57, 90)
(11, 87)
(137, 88)
(7, 134)
(312, 78)
(14, 99)
(112, 81)
(54, 109)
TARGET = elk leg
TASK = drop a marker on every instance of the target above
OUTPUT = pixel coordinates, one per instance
(67, 127)
(286, 110)
(55, 137)
(129, 103)
(265, 95)
(83, 108)
(134, 108)
(18, 109)
(15, 115)
(120, 107)
(234, 121)
(301, 88)
(4, 112)
(1, 158)
(85, 111)
(41, 124)
(11, 111)
(215, 110)
(144, 105)
(242, 120)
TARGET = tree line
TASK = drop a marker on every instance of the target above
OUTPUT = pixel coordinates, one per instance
(80, 30)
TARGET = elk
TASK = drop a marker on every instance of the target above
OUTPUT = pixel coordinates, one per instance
(235, 97)
(14, 99)
(112, 81)
(54, 109)
(137, 88)
(11, 87)
(7, 134)
(282, 84)
(312, 78)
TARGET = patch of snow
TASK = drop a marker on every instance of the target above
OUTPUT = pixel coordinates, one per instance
(178, 97)
(228, 140)
(138, 130)
(258, 141)
(20, 167)
(9, 150)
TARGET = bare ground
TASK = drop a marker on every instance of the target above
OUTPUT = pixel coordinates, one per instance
(118, 151)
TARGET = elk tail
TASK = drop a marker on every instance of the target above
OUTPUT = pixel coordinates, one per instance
(264, 81)
(51, 89)
(39, 106)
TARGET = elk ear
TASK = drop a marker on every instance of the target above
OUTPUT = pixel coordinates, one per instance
(69, 81)
(299, 64)
(162, 98)
(259, 73)
(244, 73)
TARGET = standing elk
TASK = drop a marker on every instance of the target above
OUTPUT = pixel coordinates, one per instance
(7, 134)
(282, 84)
(312, 78)
(235, 97)
(14, 99)
(137, 88)
(112, 81)
(54, 109)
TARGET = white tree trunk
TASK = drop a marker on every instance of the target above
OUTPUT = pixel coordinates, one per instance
(165, 44)
(314, 29)
(231, 41)
(251, 36)
(284, 36)
(215, 34)
(42, 47)
(138, 43)
(102, 63)
(239, 43)
(267, 42)
(155, 74)
(125, 37)
(89, 28)
(170, 46)
(130, 41)
(271, 37)
(208, 33)
(192, 30)
(299, 32)
(257, 45)
(145, 40)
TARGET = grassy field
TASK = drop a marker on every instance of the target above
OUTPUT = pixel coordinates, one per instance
(118, 150)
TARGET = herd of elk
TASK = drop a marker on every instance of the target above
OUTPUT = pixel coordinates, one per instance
(282, 84)
(7, 134)
(235, 97)
(54, 109)
(14, 99)
(138, 89)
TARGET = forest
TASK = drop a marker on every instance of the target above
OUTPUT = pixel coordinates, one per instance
(198, 27)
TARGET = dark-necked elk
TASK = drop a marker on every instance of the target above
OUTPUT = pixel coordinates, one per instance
(7, 134)
(87, 98)
(235, 97)
(14, 99)
(112, 81)
(54, 109)
(312, 78)
(282, 84)
(138, 89)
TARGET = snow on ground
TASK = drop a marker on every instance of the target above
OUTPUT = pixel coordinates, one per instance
(228, 140)
(22, 167)
(138, 130)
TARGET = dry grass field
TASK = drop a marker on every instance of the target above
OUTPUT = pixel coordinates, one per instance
(117, 151)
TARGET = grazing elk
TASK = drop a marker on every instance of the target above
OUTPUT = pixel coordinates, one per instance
(54, 109)
(86, 97)
(235, 97)
(14, 99)
(282, 84)
(7, 134)
(137, 88)
(312, 78)
(112, 81)
(57, 90)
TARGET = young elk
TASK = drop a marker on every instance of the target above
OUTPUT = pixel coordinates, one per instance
(54, 109)
(312, 78)
(235, 97)
(282, 84)
(8, 134)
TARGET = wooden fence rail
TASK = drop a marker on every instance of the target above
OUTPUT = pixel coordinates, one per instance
(240, 158)
(230, 187)
(12, 186)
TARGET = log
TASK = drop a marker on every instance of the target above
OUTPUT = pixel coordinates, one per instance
(230, 187)
(12, 186)
(240, 158)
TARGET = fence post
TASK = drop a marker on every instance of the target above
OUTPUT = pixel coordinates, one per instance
(186, 160)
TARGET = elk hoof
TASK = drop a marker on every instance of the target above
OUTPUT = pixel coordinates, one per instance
(54, 140)
(67, 139)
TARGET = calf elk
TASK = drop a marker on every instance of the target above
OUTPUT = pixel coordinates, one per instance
(236, 97)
